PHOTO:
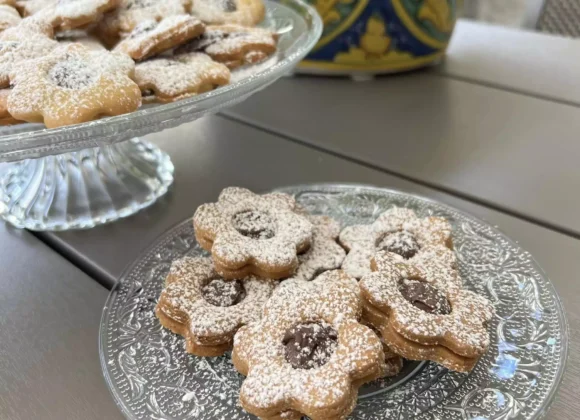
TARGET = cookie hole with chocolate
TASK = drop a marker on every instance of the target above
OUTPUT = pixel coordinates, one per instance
(72, 74)
(229, 6)
(220, 292)
(309, 345)
(401, 242)
(425, 297)
(254, 224)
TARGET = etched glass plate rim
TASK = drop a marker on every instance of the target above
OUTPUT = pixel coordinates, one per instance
(335, 188)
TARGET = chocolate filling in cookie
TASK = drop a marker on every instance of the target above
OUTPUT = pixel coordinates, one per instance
(309, 345)
(140, 4)
(229, 5)
(425, 297)
(402, 243)
(224, 293)
(254, 224)
(72, 74)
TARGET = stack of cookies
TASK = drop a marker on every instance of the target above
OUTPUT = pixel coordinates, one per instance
(66, 62)
(312, 312)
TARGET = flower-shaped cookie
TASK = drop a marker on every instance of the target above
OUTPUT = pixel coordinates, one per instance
(308, 355)
(131, 13)
(199, 305)
(168, 79)
(249, 233)
(243, 12)
(398, 230)
(422, 322)
(324, 253)
(26, 41)
(151, 37)
(233, 45)
(73, 85)
(70, 14)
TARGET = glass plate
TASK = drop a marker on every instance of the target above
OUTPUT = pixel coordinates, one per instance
(299, 28)
(151, 376)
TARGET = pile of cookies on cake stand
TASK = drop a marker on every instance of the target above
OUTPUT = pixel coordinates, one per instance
(66, 62)
(312, 312)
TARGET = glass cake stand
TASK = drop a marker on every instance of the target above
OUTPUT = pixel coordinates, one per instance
(88, 174)
(151, 377)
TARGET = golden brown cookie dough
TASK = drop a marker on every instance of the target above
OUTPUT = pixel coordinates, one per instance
(131, 13)
(174, 78)
(308, 355)
(73, 85)
(207, 310)
(421, 318)
(253, 234)
(233, 45)
(242, 12)
(152, 37)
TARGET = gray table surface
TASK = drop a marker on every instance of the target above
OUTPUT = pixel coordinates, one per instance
(49, 319)
(514, 152)
(530, 63)
(214, 153)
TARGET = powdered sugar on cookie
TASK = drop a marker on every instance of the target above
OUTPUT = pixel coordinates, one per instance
(170, 79)
(398, 231)
(324, 252)
(211, 314)
(322, 390)
(244, 230)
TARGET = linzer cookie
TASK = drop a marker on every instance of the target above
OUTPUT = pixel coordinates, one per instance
(199, 305)
(9, 17)
(233, 45)
(150, 37)
(21, 43)
(420, 321)
(73, 85)
(398, 231)
(252, 234)
(324, 253)
(70, 14)
(242, 12)
(174, 78)
(393, 362)
(131, 13)
(309, 354)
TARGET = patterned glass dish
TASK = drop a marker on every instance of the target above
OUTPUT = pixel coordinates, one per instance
(151, 377)
(99, 171)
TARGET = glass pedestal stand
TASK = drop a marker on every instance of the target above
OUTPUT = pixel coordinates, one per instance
(85, 188)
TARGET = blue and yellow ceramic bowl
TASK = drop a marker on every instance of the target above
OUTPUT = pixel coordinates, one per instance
(380, 36)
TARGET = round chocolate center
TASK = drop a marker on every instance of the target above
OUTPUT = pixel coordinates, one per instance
(402, 243)
(229, 5)
(223, 293)
(254, 224)
(72, 74)
(140, 4)
(425, 297)
(309, 345)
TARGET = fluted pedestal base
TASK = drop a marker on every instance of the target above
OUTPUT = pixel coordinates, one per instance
(83, 189)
